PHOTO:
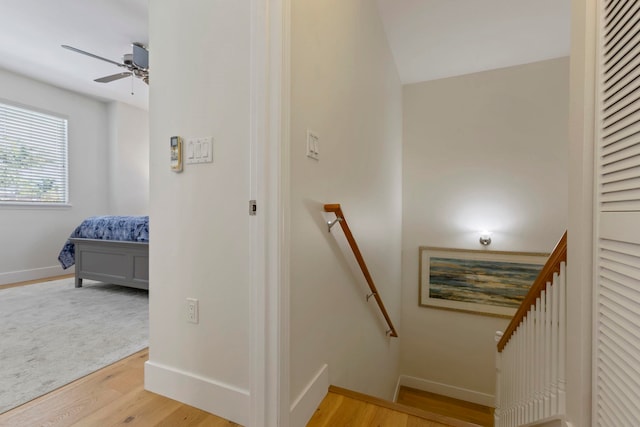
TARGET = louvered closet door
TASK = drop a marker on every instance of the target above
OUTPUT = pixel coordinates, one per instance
(617, 291)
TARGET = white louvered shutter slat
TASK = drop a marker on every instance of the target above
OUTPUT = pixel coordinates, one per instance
(617, 211)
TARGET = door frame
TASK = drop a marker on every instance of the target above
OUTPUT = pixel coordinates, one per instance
(580, 248)
(269, 186)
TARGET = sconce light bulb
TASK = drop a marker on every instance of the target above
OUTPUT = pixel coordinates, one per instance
(485, 238)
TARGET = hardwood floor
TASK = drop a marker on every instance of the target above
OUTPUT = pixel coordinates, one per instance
(339, 410)
(466, 411)
(113, 396)
(342, 408)
(31, 282)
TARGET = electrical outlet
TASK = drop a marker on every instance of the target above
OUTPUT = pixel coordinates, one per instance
(192, 310)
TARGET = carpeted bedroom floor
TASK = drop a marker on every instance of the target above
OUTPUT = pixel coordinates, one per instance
(52, 333)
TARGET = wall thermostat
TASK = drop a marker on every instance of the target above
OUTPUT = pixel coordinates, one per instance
(176, 154)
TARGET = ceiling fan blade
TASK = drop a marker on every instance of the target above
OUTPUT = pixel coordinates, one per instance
(113, 77)
(93, 56)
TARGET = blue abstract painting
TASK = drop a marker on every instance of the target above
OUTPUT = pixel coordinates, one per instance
(481, 282)
(477, 280)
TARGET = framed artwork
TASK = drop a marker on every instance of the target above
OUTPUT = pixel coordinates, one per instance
(485, 282)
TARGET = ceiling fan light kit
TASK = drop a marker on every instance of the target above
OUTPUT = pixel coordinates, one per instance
(136, 63)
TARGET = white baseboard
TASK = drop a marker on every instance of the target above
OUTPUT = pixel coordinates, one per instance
(305, 405)
(445, 390)
(221, 399)
(555, 421)
(33, 274)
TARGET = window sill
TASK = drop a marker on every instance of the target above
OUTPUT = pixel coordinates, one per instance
(35, 206)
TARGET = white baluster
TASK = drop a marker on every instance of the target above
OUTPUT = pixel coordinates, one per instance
(508, 384)
(530, 370)
(517, 403)
(562, 337)
(536, 378)
(550, 349)
(522, 361)
(543, 356)
(514, 381)
(498, 401)
(531, 357)
(520, 354)
(547, 353)
(553, 371)
(528, 386)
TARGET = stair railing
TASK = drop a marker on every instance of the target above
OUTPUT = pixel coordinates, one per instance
(530, 361)
(335, 208)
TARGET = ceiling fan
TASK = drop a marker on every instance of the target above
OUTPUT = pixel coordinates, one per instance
(137, 63)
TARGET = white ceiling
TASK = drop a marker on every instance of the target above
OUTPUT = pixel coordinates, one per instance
(430, 39)
(433, 39)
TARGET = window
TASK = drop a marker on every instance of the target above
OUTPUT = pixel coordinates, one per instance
(33, 157)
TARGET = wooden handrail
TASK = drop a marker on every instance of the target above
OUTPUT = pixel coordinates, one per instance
(552, 266)
(335, 208)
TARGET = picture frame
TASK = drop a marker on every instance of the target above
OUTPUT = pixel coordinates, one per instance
(484, 282)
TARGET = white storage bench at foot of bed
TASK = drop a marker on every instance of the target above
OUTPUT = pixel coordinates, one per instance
(112, 261)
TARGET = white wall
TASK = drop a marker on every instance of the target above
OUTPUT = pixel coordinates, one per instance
(346, 89)
(128, 160)
(32, 237)
(481, 151)
(199, 218)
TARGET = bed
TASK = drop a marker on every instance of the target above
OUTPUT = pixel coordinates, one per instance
(110, 249)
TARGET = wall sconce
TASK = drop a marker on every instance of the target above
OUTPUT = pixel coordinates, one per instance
(485, 238)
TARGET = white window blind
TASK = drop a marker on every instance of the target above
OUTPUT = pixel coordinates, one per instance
(33, 157)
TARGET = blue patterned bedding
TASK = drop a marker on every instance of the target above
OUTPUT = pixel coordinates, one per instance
(127, 228)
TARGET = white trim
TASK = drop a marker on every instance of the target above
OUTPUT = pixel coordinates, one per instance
(259, 307)
(269, 185)
(309, 399)
(269, 168)
(580, 229)
(34, 205)
(556, 421)
(224, 400)
(33, 274)
(446, 390)
(396, 392)
(278, 213)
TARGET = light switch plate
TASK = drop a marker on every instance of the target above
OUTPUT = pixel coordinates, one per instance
(199, 150)
(193, 314)
(313, 143)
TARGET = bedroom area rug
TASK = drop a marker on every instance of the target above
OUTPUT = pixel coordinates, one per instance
(52, 333)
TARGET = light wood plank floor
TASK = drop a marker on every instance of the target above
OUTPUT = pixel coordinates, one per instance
(466, 411)
(32, 282)
(338, 410)
(343, 407)
(113, 396)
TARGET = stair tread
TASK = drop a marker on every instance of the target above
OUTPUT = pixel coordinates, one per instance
(444, 405)
(416, 412)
